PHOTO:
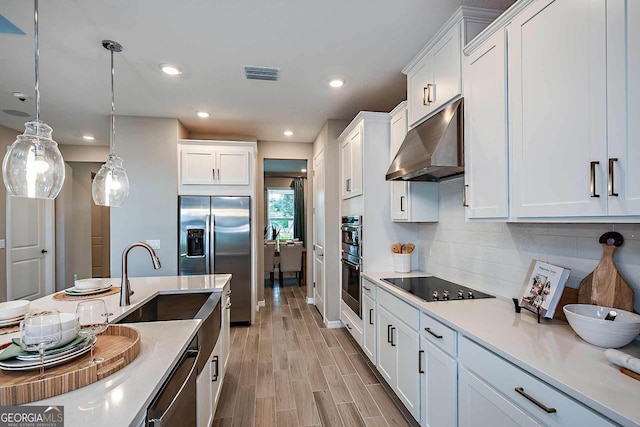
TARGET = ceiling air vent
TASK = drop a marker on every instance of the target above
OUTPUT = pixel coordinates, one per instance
(261, 73)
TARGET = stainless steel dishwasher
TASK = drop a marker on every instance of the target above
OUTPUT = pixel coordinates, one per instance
(175, 404)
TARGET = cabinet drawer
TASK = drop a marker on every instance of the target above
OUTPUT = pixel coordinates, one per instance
(399, 308)
(439, 334)
(369, 288)
(352, 322)
(514, 383)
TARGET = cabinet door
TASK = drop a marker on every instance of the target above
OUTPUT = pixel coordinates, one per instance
(406, 342)
(369, 330)
(623, 89)
(345, 163)
(226, 328)
(558, 109)
(386, 353)
(204, 397)
(215, 375)
(439, 393)
(233, 167)
(356, 141)
(399, 209)
(198, 166)
(447, 69)
(486, 150)
(480, 405)
(417, 89)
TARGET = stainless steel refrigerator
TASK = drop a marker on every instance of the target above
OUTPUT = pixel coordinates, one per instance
(215, 238)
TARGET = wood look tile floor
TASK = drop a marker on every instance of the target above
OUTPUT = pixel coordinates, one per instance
(288, 370)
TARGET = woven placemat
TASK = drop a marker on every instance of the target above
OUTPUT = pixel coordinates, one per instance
(9, 329)
(62, 296)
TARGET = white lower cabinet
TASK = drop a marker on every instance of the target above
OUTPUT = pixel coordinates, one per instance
(352, 322)
(204, 393)
(398, 359)
(369, 329)
(480, 405)
(438, 386)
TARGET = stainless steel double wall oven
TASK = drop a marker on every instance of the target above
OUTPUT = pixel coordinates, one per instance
(351, 230)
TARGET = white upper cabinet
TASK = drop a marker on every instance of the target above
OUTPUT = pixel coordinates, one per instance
(211, 167)
(351, 164)
(434, 76)
(623, 84)
(409, 201)
(486, 148)
(558, 109)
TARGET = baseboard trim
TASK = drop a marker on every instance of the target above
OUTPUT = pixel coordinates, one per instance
(333, 324)
(310, 300)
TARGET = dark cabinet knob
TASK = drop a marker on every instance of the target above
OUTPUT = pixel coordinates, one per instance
(44, 251)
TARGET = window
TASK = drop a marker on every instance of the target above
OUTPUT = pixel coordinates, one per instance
(280, 213)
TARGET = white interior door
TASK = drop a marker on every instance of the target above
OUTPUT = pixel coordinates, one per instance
(318, 232)
(30, 248)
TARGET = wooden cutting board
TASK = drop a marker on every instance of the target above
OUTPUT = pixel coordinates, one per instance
(605, 286)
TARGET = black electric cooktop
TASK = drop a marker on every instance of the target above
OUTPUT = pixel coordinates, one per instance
(435, 289)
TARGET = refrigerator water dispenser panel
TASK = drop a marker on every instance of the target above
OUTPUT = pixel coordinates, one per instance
(195, 242)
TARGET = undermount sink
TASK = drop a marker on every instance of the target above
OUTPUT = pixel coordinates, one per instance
(176, 306)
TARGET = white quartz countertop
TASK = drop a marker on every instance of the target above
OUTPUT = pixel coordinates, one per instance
(122, 398)
(551, 350)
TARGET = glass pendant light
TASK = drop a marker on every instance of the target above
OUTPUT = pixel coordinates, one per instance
(111, 185)
(33, 166)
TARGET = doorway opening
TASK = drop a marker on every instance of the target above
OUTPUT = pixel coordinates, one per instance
(100, 241)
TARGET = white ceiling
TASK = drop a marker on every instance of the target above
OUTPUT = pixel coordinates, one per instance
(367, 42)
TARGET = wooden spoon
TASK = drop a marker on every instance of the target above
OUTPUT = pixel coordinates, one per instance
(396, 248)
(410, 247)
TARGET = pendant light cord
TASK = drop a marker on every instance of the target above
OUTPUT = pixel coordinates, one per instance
(113, 108)
(37, 56)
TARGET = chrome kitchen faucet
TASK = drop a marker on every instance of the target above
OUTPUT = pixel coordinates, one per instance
(125, 286)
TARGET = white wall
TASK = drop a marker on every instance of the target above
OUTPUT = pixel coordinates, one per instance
(7, 136)
(148, 147)
(282, 150)
(496, 256)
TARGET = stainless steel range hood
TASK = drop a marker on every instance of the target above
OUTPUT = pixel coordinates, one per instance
(434, 149)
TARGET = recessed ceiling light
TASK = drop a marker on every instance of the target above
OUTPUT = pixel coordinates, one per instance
(303, 170)
(288, 133)
(337, 82)
(172, 70)
(202, 114)
(88, 137)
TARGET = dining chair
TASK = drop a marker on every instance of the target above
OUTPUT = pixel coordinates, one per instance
(269, 259)
(291, 260)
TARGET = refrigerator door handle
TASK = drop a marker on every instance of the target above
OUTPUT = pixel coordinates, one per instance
(212, 244)
(207, 252)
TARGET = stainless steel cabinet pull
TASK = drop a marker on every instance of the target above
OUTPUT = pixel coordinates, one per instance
(214, 173)
(548, 410)
(371, 316)
(612, 191)
(219, 176)
(464, 196)
(393, 344)
(389, 334)
(433, 333)
(401, 204)
(366, 289)
(592, 179)
(420, 353)
(215, 372)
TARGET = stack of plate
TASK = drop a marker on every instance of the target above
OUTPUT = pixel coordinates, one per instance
(53, 357)
(11, 322)
(88, 287)
(12, 312)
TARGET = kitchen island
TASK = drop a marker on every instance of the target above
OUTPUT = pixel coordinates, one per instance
(122, 398)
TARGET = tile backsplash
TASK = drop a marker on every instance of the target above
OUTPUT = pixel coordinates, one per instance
(495, 256)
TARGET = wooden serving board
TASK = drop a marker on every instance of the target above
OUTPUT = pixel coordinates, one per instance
(118, 345)
(605, 286)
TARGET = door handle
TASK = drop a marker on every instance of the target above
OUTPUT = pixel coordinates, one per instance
(215, 375)
(433, 333)
(219, 176)
(427, 95)
(420, 353)
(371, 316)
(520, 391)
(214, 173)
(612, 191)
(389, 334)
(465, 204)
(44, 251)
(401, 204)
(393, 344)
(592, 179)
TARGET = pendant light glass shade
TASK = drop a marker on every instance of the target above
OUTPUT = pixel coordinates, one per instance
(33, 166)
(111, 185)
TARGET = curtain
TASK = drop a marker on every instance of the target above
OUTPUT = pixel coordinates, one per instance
(298, 208)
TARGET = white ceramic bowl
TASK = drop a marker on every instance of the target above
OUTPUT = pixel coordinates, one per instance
(13, 309)
(588, 322)
(88, 284)
(70, 327)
